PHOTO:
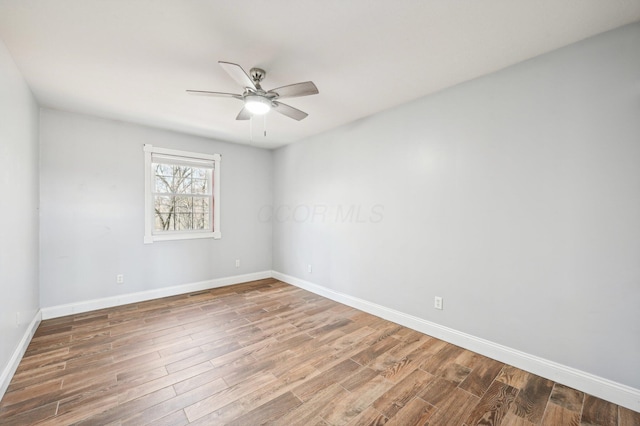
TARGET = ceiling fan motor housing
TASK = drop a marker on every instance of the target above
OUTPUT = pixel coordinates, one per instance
(257, 74)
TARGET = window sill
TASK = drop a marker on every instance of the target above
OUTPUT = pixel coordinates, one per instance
(150, 239)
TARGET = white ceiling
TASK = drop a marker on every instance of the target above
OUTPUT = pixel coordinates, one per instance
(133, 59)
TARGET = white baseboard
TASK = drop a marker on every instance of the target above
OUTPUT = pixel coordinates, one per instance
(12, 365)
(123, 299)
(600, 387)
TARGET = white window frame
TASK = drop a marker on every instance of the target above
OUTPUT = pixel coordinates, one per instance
(149, 215)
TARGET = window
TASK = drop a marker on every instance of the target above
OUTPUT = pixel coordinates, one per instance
(182, 195)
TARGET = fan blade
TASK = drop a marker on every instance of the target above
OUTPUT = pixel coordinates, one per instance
(218, 94)
(238, 74)
(244, 114)
(289, 111)
(294, 90)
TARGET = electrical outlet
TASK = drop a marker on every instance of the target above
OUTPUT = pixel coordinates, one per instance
(237, 263)
(309, 269)
(437, 302)
(120, 279)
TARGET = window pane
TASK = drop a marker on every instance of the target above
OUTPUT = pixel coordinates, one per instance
(199, 173)
(182, 179)
(201, 204)
(183, 186)
(163, 169)
(199, 186)
(163, 183)
(201, 213)
(164, 213)
(201, 221)
(184, 209)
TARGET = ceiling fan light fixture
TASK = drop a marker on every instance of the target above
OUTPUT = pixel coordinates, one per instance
(258, 105)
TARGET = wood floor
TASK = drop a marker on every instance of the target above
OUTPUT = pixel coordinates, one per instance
(267, 352)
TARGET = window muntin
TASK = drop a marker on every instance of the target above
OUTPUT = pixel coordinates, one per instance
(181, 193)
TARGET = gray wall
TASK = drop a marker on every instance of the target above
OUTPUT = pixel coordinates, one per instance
(18, 207)
(515, 196)
(92, 202)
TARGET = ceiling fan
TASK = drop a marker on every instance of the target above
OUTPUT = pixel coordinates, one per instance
(258, 101)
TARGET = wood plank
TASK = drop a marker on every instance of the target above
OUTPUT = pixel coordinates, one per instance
(598, 412)
(417, 412)
(311, 408)
(11, 398)
(437, 391)
(92, 384)
(567, 397)
(369, 417)
(43, 359)
(352, 339)
(556, 415)
(268, 411)
(406, 365)
(141, 376)
(493, 406)
(329, 377)
(81, 407)
(512, 420)
(627, 417)
(177, 418)
(344, 410)
(28, 417)
(143, 387)
(226, 396)
(408, 344)
(454, 408)
(258, 397)
(484, 371)
(454, 372)
(402, 392)
(532, 398)
(441, 359)
(129, 408)
(359, 378)
(178, 403)
(263, 364)
(211, 375)
(367, 355)
(513, 376)
(34, 376)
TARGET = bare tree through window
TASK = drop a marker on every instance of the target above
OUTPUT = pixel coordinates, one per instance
(182, 197)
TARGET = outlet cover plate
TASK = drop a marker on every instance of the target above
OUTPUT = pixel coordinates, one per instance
(437, 302)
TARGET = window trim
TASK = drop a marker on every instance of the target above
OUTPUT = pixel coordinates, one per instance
(149, 177)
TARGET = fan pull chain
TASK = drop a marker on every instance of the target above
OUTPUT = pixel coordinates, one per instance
(264, 125)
